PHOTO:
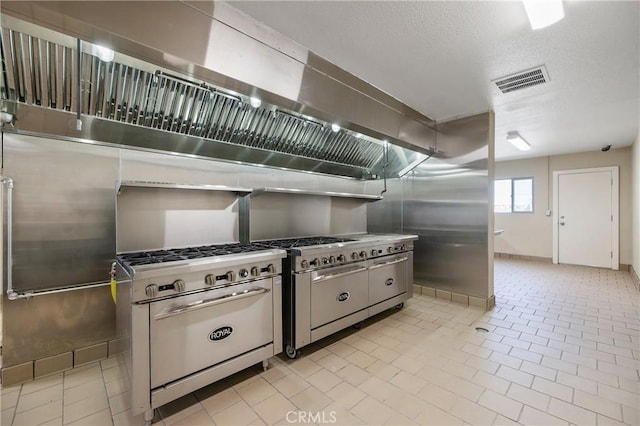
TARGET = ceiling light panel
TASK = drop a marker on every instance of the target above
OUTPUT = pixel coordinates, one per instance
(516, 140)
(542, 13)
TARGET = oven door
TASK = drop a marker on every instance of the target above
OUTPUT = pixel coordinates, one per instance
(196, 331)
(387, 277)
(338, 292)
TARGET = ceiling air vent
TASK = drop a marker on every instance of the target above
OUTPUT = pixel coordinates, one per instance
(522, 79)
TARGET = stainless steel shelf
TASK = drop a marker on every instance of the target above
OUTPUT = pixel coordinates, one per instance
(167, 185)
(365, 197)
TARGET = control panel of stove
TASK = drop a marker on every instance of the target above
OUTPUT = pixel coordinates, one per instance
(206, 277)
(348, 255)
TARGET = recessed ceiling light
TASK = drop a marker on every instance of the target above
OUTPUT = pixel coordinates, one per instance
(255, 102)
(516, 140)
(104, 53)
(542, 13)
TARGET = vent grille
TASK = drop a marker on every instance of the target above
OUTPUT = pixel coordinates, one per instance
(522, 80)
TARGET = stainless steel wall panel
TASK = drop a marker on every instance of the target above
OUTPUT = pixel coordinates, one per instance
(160, 167)
(446, 202)
(155, 218)
(450, 217)
(447, 205)
(386, 216)
(47, 325)
(63, 218)
(284, 215)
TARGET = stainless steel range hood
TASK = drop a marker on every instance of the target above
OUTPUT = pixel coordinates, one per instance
(48, 86)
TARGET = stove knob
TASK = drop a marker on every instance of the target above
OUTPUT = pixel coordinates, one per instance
(403, 247)
(210, 279)
(179, 285)
(271, 269)
(151, 290)
(332, 259)
(255, 271)
(304, 264)
(315, 262)
(390, 249)
(363, 254)
(354, 255)
(243, 273)
(325, 261)
(374, 252)
(231, 276)
(341, 258)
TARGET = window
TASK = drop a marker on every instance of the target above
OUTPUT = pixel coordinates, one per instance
(513, 195)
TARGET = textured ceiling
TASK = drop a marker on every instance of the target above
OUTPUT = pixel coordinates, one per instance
(439, 58)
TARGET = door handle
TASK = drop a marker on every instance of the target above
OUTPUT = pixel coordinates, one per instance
(390, 262)
(343, 273)
(200, 304)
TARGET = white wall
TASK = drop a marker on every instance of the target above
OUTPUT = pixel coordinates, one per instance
(526, 233)
(635, 185)
(531, 234)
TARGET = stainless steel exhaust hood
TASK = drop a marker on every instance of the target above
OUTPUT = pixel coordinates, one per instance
(48, 86)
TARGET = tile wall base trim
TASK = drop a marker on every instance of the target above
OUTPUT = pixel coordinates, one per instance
(457, 298)
(27, 371)
(52, 364)
(498, 255)
(522, 257)
(634, 277)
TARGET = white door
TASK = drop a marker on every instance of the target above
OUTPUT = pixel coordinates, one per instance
(587, 218)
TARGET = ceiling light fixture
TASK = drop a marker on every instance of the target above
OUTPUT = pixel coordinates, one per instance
(542, 13)
(255, 102)
(516, 140)
(104, 53)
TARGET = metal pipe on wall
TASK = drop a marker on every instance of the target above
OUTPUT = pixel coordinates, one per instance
(8, 232)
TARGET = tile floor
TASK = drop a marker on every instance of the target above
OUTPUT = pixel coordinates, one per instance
(562, 347)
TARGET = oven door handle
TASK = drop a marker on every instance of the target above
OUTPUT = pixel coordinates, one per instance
(206, 303)
(325, 277)
(390, 262)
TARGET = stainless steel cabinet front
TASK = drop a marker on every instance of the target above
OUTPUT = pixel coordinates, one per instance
(387, 277)
(199, 330)
(338, 292)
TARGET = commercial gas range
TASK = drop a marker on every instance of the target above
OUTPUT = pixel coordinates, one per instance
(194, 315)
(330, 283)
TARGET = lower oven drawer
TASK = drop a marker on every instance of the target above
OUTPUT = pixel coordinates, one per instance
(196, 331)
(338, 292)
(387, 277)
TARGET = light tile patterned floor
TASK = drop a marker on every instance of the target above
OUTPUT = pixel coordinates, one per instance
(563, 347)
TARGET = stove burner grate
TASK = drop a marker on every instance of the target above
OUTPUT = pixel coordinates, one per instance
(302, 242)
(172, 255)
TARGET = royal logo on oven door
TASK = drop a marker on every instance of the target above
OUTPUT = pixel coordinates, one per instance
(220, 333)
(343, 297)
(389, 281)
